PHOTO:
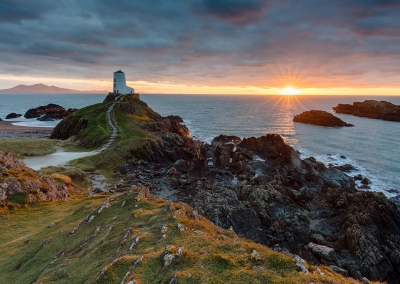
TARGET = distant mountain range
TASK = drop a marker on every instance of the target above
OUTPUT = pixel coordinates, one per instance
(44, 89)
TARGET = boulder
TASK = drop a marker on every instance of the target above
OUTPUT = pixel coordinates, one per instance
(322, 251)
(13, 115)
(321, 118)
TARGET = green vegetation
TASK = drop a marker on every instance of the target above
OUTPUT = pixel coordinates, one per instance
(32, 252)
(130, 136)
(95, 134)
(28, 147)
(77, 176)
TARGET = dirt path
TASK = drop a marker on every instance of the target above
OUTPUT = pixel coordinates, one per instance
(61, 158)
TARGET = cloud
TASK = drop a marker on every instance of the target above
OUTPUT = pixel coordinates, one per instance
(213, 42)
(18, 10)
(233, 11)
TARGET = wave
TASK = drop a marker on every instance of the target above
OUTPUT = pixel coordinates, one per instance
(335, 159)
(36, 123)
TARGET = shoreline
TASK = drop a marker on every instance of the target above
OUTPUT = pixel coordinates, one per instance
(8, 130)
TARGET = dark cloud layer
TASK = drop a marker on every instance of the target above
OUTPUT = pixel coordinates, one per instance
(209, 42)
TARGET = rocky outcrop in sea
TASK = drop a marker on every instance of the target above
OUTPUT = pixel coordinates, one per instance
(321, 118)
(49, 113)
(371, 109)
(13, 115)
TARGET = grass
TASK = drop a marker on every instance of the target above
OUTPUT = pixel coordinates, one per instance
(28, 147)
(30, 252)
(77, 176)
(97, 131)
(130, 136)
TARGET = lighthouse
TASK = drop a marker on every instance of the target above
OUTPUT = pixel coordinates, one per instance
(120, 86)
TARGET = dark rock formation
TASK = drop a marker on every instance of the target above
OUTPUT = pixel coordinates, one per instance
(19, 184)
(371, 109)
(39, 111)
(69, 127)
(57, 115)
(347, 168)
(13, 115)
(320, 117)
(265, 192)
(173, 124)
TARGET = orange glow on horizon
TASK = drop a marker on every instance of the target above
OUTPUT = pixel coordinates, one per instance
(165, 87)
(289, 90)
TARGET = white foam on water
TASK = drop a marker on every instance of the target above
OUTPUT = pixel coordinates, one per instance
(336, 159)
(36, 123)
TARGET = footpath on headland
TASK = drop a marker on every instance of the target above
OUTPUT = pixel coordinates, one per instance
(61, 158)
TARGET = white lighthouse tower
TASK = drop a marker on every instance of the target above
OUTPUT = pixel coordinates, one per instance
(120, 86)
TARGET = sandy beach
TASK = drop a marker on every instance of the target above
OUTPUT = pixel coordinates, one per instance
(8, 130)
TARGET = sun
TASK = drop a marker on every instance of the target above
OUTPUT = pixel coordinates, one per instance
(289, 90)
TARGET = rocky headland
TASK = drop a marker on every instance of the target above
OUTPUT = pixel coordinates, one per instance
(321, 118)
(261, 189)
(371, 109)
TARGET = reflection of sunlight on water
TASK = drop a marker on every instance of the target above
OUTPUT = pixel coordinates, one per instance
(286, 107)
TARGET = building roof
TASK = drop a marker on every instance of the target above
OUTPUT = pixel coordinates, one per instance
(119, 71)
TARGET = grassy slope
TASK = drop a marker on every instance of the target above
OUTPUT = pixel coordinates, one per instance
(97, 131)
(130, 136)
(28, 147)
(30, 251)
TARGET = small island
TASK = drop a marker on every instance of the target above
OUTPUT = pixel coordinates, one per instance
(321, 118)
(371, 109)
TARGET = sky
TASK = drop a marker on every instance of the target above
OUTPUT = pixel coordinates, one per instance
(204, 46)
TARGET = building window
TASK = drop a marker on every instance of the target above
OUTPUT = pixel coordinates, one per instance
(115, 80)
(115, 85)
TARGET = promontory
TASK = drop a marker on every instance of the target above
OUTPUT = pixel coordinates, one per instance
(371, 109)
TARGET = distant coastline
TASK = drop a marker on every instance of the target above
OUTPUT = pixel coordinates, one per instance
(45, 89)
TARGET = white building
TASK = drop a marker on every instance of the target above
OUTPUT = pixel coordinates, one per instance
(120, 86)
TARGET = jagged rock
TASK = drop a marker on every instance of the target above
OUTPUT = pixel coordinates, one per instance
(322, 251)
(347, 168)
(321, 118)
(13, 115)
(57, 114)
(338, 270)
(173, 124)
(255, 255)
(174, 279)
(52, 224)
(364, 280)
(358, 177)
(271, 147)
(371, 109)
(365, 181)
(69, 127)
(20, 183)
(39, 111)
(225, 139)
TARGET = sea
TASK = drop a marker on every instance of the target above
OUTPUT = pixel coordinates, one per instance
(371, 146)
